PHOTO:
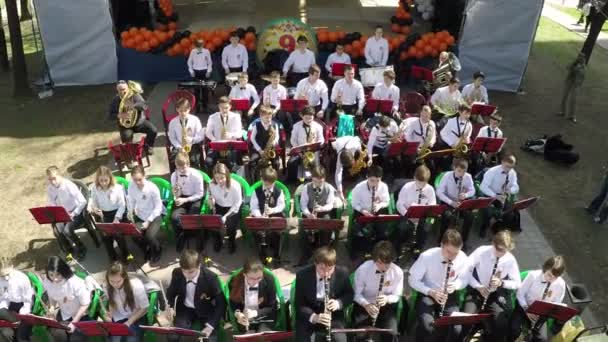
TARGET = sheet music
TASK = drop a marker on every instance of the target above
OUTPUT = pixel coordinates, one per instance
(461, 314)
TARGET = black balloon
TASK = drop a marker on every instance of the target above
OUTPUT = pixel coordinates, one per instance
(241, 32)
(356, 36)
(330, 47)
(348, 38)
(394, 20)
(251, 29)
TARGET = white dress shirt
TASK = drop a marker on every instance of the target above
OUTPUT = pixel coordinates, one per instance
(482, 261)
(190, 290)
(376, 52)
(344, 58)
(495, 179)
(191, 184)
(108, 200)
(323, 207)
(454, 129)
(446, 100)
(194, 130)
(300, 61)
(233, 124)
(488, 132)
(315, 92)
(227, 197)
(533, 287)
(235, 57)
(144, 203)
(346, 143)
(470, 88)
(384, 92)
(17, 289)
(274, 95)
(200, 59)
(351, 93)
(417, 131)
(380, 136)
(362, 197)
(411, 195)
(299, 136)
(124, 311)
(429, 271)
(66, 195)
(448, 191)
(245, 93)
(69, 294)
(251, 298)
(255, 205)
(367, 282)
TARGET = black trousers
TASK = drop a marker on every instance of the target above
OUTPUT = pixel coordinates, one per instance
(194, 154)
(498, 304)
(202, 94)
(448, 218)
(268, 242)
(595, 207)
(108, 240)
(293, 163)
(150, 243)
(23, 331)
(63, 335)
(519, 319)
(427, 310)
(190, 208)
(366, 236)
(232, 225)
(146, 127)
(415, 232)
(67, 233)
(496, 211)
(185, 318)
(311, 240)
(308, 332)
(387, 319)
(232, 159)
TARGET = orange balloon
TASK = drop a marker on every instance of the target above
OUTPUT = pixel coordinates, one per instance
(355, 54)
(124, 44)
(185, 43)
(395, 28)
(133, 31)
(153, 42)
(411, 50)
(224, 35)
(323, 37)
(341, 34)
(148, 35)
(178, 49)
(251, 46)
(405, 30)
(210, 47)
(170, 52)
(395, 41)
(348, 49)
(450, 40)
(124, 35)
(145, 46)
(162, 36)
(138, 38)
(419, 44)
(364, 39)
(249, 37)
(419, 54)
(435, 43)
(217, 41)
(403, 55)
(401, 38)
(356, 44)
(172, 25)
(332, 37)
(435, 52)
(427, 50)
(171, 33)
(443, 47)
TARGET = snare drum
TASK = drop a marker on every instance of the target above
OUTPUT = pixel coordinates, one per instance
(232, 79)
(372, 76)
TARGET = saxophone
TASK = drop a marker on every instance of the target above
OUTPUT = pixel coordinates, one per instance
(425, 149)
(267, 197)
(360, 162)
(308, 157)
(185, 146)
(445, 287)
(315, 199)
(126, 105)
(327, 311)
(269, 153)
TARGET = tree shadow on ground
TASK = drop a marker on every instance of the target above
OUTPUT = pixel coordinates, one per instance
(87, 167)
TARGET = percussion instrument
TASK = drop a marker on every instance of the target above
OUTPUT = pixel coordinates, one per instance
(232, 79)
(268, 79)
(372, 76)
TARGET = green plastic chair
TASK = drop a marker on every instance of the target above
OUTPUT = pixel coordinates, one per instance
(392, 209)
(245, 188)
(166, 195)
(95, 307)
(292, 306)
(122, 181)
(40, 332)
(205, 209)
(523, 275)
(281, 322)
(247, 211)
(438, 180)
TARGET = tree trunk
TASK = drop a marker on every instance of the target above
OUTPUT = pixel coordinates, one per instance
(3, 49)
(594, 31)
(25, 10)
(20, 84)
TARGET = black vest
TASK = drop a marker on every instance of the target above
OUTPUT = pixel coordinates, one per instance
(259, 193)
(262, 134)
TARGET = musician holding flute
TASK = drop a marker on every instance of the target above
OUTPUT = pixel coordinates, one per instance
(378, 287)
(16, 296)
(436, 275)
(226, 198)
(493, 275)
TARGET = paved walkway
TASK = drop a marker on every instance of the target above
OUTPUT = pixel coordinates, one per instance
(570, 23)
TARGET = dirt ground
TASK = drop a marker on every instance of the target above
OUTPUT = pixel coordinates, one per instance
(67, 129)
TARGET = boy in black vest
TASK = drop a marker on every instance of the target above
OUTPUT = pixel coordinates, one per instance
(261, 132)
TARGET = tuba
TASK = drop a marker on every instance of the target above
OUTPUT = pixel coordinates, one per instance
(127, 103)
(443, 74)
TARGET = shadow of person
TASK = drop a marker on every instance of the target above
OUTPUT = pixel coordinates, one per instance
(87, 167)
(37, 253)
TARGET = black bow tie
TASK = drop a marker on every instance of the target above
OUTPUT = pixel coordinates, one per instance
(379, 272)
(252, 288)
(183, 175)
(242, 88)
(321, 279)
(190, 282)
(446, 261)
(505, 172)
(462, 123)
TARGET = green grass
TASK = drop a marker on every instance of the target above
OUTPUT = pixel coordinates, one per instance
(574, 13)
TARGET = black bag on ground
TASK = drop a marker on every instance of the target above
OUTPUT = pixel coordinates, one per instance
(556, 150)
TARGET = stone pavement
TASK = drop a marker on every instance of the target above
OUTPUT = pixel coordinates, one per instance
(570, 23)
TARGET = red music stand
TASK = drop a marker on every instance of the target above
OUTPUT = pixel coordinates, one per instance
(379, 106)
(50, 215)
(264, 336)
(402, 147)
(523, 204)
(293, 105)
(197, 222)
(559, 312)
(468, 319)
(377, 219)
(266, 223)
(225, 145)
(476, 203)
(8, 324)
(39, 320)
(171, 331)
(337, 69)
(424, 211)
(321, 224)
(482, 109)
(242, 105)
(94, 328)
(122, 229)
(488, 145)
(421, 73)
(313, 147)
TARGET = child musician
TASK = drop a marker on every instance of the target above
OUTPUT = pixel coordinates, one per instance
(253, 298)
(191, 125)
(350, 152)
(316, 201)
(499, 182)
(128, 301)
(337, 57)
(421, 129)
(306, 131)
(200, 66)
(387, 90)
(223, 125)
(545, 284)
(481, 160)
(376, 49)
(379, 138)
(458, 129)
(226, 197)
(245, 91)
(455, 187)
(195, 295)
(107, 204)
(317, 308)
(299, 62)
(476, 91)
(417, 192)
(347, 93)
(445, 100)
(378, 287)
(314, 90)
(262, 132)
(145, 207)
(369, 198)
(188, 189)
(68, 296)
(268, 201)
(234, 56)
(16, 297)
(494, 273)
(64, 193)
(272, 96)
(437, 274)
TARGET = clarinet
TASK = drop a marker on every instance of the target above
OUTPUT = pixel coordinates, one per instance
(415, 231)
(445, 287)
(380, 286)
(326, 284)
(538, 322)
(485, 300)
(373, 200)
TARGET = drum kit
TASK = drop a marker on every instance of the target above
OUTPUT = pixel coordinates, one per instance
(372, 76)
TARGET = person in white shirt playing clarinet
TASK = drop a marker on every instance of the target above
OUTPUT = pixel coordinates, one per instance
(306, 131)
(387, 90)
(188, 190)
(376, 49)
(299, 62)
(545, 284)
(314, 90)
(416, 192)
(339, 56)
(225, 199)
(200, 67)
(107, 204)
(221, 126)
(64, 193)
(378, 287)
(16, 298)
(190, 143)
(494, 274)
(437, 276)
(347, 94)
(245, 91)
(234, 56)
(272, 95)
(145, 208)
